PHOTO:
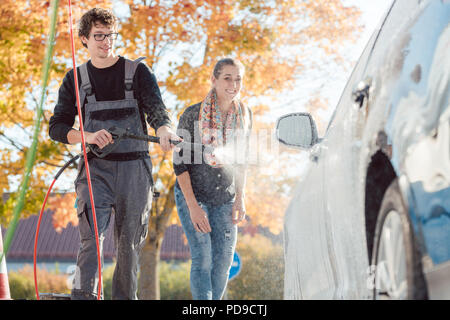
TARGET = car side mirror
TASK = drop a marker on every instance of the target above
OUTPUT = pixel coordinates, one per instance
(297, 130)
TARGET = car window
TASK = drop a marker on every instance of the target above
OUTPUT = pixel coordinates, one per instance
(412, 52)
(381, 36)
(393, 23)
(354, 77)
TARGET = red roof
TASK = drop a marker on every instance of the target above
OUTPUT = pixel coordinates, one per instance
(64, 245)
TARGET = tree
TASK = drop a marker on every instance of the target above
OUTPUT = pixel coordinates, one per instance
(20, 48)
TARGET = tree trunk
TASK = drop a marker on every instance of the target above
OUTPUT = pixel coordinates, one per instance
(150, 254)
(149, 275)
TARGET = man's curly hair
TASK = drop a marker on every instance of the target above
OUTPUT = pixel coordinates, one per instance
(94, 16)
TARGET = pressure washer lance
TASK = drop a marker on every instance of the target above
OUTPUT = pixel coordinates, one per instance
(119, 134)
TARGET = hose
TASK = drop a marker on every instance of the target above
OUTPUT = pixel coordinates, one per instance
(40, 218)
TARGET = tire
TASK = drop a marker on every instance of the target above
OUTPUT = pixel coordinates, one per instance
(396, 256)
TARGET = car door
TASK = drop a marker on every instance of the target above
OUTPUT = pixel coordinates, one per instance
(308, 272)
(344, 206)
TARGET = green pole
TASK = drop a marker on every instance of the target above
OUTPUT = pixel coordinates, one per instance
(31, 153)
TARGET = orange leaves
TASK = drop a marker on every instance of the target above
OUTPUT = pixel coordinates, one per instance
(18, 36)
(64, 211)
(330, 20)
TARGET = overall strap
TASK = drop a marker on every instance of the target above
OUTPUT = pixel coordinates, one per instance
(86, 87)
(130, 69)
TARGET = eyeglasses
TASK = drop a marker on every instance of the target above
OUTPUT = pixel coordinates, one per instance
(102, 36)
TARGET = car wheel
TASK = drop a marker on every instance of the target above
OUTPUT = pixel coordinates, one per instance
(398, 269)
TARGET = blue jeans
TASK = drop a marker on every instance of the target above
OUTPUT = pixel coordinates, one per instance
(211, 253)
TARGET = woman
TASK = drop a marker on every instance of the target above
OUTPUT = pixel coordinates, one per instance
(209, 194)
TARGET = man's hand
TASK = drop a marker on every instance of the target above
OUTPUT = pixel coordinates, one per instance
(101, 138)
(166, 134)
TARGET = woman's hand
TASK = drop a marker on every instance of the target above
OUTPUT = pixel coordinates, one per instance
(238, 212)
(199, 219)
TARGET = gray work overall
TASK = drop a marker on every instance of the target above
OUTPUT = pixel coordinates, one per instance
(123, 187)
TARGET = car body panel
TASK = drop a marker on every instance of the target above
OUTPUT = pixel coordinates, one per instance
(315, 279)
(406, 64)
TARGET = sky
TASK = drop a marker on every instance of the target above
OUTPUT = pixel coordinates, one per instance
(372, 12)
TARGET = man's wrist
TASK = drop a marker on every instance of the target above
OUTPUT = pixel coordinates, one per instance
(163, 128)
(73, 136)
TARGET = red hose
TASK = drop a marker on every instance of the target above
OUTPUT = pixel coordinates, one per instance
(88, 175)
(36, 237)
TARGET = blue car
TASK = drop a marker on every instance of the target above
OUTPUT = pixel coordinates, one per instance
(371, 217)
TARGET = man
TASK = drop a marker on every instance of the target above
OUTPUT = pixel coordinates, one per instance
(115, 92)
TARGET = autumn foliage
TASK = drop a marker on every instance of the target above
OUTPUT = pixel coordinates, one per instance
(23, 34)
